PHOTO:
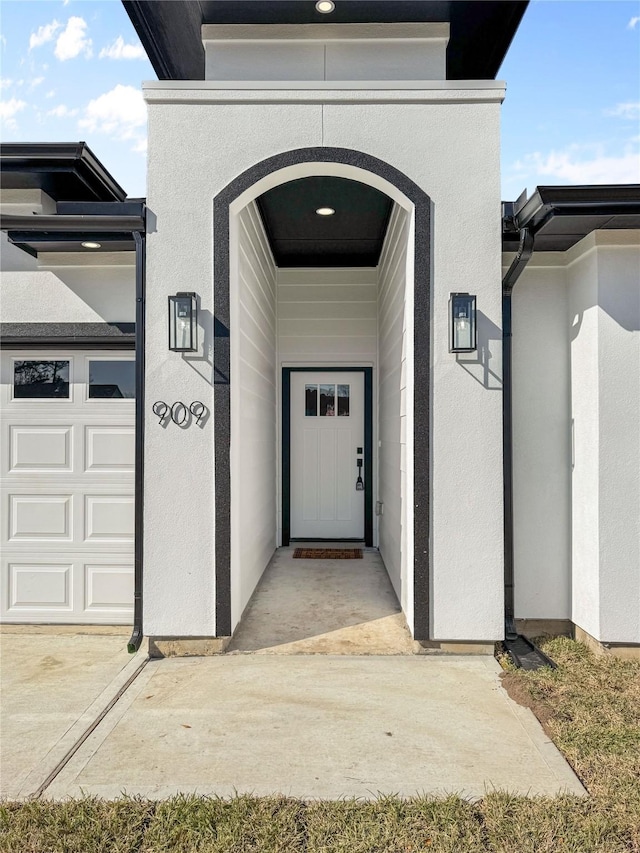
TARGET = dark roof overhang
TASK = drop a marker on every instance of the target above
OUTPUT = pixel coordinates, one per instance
(481, 30)
(560, 216)
(66, 171)
(112, 225)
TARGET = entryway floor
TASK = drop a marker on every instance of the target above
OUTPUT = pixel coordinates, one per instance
(338, 607)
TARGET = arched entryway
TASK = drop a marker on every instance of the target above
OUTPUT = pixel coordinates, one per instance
(405, 528)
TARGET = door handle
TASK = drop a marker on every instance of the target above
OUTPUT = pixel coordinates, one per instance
(359, 481)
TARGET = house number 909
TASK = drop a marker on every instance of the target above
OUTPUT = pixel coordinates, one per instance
(179, 412)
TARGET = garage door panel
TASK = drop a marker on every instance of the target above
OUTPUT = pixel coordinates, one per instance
(41, 448)
(109, 449)
(40, 517)
(108, 587)
(109, 517)
(39, 586)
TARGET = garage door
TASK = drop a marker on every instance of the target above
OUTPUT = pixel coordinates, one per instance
(67, 481)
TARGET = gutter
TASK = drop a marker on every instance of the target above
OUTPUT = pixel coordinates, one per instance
(136, 636)
(523, 255)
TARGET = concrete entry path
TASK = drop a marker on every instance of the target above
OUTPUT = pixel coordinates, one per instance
(55, 682)
(315, 726)
(323, 607)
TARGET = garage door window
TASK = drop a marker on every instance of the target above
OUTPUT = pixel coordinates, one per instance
(110, 379)
(41, 380)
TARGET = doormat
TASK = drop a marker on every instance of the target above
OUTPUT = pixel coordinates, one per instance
(327, 554)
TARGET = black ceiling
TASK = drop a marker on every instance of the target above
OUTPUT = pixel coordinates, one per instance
(299, 237)
(481, 30)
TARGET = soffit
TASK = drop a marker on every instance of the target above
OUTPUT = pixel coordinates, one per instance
(481, 30)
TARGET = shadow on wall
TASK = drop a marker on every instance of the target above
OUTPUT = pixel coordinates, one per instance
(202, 361)
(479, 368)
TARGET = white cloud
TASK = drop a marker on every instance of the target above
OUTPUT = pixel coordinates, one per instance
(3, 40)
(62, 111)
(44, 34)
(9, 110)
(629, 110)
(120, 113)
(36, 82)
(633, 23)
(5, 82)
(584, 164)
(50, 93)
(120, 50)
(73, 40)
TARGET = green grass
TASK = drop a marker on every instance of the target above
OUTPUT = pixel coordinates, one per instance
(590, 706)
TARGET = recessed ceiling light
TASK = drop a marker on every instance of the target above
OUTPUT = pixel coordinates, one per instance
(325, 6)
(325, 211)
(90, 245)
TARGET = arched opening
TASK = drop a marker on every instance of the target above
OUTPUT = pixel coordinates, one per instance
(321, 323)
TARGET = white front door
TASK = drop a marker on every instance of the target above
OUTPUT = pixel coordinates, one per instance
(327, 445)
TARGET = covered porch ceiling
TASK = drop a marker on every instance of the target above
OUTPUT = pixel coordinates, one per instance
(299, 236)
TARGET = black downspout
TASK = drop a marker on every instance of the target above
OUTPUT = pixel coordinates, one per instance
(136, 637)
(525, 250)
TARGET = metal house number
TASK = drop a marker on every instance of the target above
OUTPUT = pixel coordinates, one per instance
(179, 412)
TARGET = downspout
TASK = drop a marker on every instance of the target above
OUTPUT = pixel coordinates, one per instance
(136, 637)
(525, 250)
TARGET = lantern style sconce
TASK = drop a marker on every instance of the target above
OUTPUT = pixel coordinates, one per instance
(463, 331)
(183, 322)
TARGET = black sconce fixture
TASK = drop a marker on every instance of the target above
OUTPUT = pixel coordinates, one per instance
(463, 331)
(183, 322)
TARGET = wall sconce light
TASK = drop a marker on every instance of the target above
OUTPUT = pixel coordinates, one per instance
(183, 322)
(463, 331)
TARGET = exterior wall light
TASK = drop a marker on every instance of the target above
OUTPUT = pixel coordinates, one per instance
(325, 6)
(463, 330)
(183, 322)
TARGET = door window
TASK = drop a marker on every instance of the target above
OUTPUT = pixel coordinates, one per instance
(326, 401)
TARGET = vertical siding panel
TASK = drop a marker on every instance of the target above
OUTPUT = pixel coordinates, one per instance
(255, 429)
(392, 486)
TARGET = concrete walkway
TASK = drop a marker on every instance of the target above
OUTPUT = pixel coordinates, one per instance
(323, 607)
(54, 683)
(316, 727)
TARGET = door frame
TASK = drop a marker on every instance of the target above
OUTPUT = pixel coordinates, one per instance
(368, 445)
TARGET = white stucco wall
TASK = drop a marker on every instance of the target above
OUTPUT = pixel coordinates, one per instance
(445, 137)
(14, 258)
(576, 399)
(393, 463)
(253, 408)
(541, 441)
(71, 288)
(618, 352)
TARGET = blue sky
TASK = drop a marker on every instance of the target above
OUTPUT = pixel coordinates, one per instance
(72, 69)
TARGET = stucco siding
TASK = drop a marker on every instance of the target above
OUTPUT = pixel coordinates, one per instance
(619, 448)
(392, 395)
(69, 291)
(457, 164)
(541, 443)
(582, 279)
(253, 410)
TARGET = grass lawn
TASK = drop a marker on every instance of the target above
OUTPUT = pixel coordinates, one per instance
(590, 707)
